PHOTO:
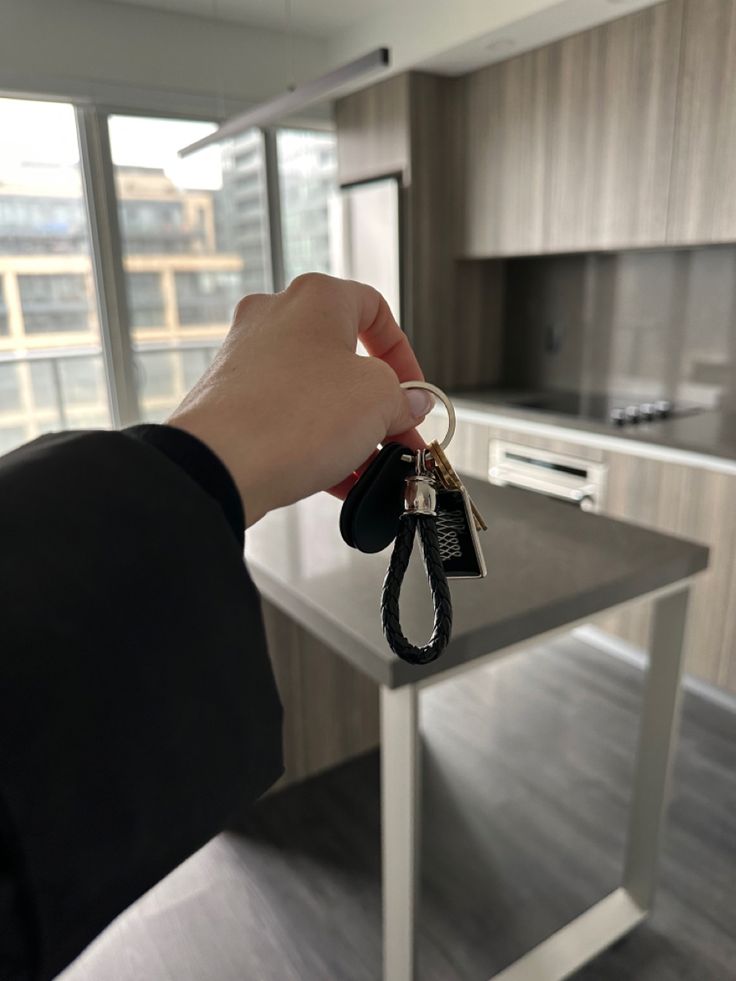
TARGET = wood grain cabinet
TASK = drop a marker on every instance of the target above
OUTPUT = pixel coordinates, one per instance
(569, 147)
(698, 504)
(506, 134)
(373, 131)
(611, 120)
(330, 708)
(703, 186)
(674, 498)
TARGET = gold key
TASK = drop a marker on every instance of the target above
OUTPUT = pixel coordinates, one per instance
(451, 481)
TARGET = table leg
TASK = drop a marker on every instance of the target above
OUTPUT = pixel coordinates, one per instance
(657, 741)
(400, 790)
(566, 951)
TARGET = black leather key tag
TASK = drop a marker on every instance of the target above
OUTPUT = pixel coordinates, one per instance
(369, 520)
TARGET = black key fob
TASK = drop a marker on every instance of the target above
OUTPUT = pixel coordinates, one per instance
(369, 520)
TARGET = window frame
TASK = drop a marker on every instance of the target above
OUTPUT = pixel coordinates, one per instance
(106, 241)
(107, 247)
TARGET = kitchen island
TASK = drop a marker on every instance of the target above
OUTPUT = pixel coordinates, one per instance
(676, 476)
(550, 568)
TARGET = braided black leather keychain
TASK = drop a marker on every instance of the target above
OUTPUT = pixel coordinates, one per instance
(420, 515)
(403, 492)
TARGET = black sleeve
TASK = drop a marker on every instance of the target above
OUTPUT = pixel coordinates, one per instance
(138, 708)
(201, 464)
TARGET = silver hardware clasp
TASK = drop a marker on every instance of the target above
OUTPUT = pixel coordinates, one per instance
(420, 496)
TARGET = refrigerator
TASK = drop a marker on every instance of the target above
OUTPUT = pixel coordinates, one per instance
(365, 237)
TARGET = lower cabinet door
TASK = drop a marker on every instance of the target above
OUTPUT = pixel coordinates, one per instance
(698, 504)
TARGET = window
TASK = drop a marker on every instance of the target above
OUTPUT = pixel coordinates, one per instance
(49, 334)
(308, 180)
(3, 310)
(244, 194)
(207, 297)
(145, 299)
(40, 225)
(195, 237)
(58, 303)
(190, 250)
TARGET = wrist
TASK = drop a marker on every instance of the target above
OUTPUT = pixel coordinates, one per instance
(246, 463)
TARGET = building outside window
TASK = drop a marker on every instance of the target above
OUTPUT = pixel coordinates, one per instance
(56, 302)
(207, 297)
(3, 310)
(194, 237)
(189, 254)
(51, 368)
(145, 299)
(308, 180)
(242, 209)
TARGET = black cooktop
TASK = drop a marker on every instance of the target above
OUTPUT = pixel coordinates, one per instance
(616, 409)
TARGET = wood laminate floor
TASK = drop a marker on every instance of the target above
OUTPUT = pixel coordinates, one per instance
(526, 784)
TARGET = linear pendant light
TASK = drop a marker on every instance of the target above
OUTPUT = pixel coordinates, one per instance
(297, 98)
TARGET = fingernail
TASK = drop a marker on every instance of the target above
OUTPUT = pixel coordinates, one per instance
(420, 402)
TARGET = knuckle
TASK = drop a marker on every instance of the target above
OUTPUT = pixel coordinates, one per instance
(247, 305)
(381, 377)
(309, 281)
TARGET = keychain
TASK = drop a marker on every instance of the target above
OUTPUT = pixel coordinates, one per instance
(404, 492)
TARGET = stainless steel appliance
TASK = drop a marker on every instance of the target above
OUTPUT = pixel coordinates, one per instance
(557, 475)
(619, 410)
(365, 237)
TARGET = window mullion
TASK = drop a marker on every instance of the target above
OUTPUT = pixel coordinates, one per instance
(107, 262)
(273, 198)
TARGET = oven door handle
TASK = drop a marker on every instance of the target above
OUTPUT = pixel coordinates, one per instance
(583, 495)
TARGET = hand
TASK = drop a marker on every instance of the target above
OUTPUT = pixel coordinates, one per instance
(288, 405)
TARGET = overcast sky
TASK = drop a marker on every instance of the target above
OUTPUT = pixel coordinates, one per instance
(44, 132)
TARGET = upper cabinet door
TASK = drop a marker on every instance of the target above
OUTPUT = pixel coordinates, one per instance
(373, 131)
(611, 118)
(703, 192)
(569, 147)
(505, 145)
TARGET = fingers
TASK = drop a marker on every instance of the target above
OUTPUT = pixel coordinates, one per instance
(369, 316)
(383, 338)
(342, 489)
(404, 419)
(410, 438)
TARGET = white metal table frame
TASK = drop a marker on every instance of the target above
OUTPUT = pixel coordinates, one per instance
(597, 928)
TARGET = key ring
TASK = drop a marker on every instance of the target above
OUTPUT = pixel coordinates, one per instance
(450, 408)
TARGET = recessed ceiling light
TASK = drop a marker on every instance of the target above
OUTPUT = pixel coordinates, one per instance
(500, 45)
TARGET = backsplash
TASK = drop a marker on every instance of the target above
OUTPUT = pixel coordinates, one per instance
(659, 323)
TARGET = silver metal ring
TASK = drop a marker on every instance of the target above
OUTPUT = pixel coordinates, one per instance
(444, 399)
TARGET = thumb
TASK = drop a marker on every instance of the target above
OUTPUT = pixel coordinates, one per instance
(412, 405)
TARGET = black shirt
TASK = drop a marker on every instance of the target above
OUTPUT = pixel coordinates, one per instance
(138, 708)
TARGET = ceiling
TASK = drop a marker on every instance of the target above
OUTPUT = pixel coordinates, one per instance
(444, 36)
(315, 17)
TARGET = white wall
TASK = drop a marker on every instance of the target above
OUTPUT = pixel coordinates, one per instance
(132, 57)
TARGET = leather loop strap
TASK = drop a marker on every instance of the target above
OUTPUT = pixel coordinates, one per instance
(437, 583)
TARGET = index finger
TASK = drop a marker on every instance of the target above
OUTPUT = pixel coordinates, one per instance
(383, 338)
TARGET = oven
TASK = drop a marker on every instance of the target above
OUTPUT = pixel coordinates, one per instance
(566, 478)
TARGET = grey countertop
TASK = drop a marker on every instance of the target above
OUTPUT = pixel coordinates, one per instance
(711, 433)
(548, 565)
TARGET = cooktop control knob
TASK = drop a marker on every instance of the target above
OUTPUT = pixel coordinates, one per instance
(617, 417)
(663, 408)
(648, 410)
(633, 413)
